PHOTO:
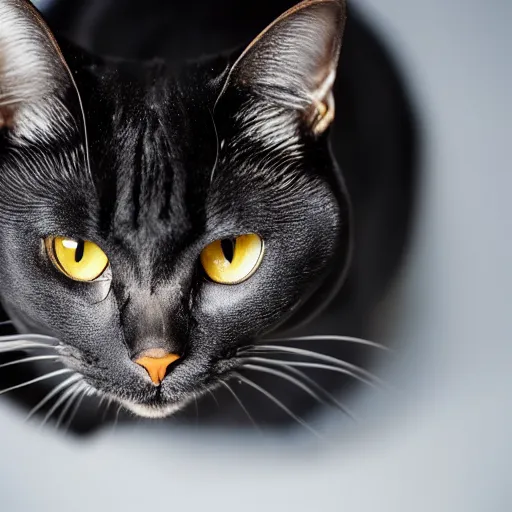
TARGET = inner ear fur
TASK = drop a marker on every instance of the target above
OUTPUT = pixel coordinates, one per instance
(293, 61)
(33, 73)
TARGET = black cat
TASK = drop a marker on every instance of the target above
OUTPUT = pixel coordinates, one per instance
(160, 216)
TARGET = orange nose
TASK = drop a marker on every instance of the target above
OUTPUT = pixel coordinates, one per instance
(156, 366)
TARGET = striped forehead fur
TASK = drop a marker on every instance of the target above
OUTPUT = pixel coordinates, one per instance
(154, 177)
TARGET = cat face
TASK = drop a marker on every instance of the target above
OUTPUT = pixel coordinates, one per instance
(154, 221)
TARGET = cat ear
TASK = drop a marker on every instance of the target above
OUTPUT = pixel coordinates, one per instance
(293, 61)
(33, 74)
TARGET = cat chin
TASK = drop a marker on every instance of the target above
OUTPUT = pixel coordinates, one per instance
(148, 411)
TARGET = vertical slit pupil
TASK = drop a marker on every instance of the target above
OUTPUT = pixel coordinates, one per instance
(228, 248)
(79, 252)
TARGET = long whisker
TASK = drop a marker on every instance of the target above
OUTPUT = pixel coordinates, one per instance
(278, 402)
(51, 394)
(116, 421)
(298, 383)
(107, 408)
(285, 376)
(214, 398)
(214, 168)
(23, 342)
(39, 379)
(333, 337)
(326, 393)
(102, 399)
(78, 403)
(323, 357)
(28, 360)
(84, 120)
(333, 401)
(313, 365)
(6, 322)
(57, 404)
(14, 346)
(41, 338)
(240, 403)
(197, 411)
(77, 388)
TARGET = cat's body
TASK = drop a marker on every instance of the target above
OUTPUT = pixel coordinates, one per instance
(373, 140)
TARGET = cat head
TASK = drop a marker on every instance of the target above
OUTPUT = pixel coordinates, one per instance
(156, 220)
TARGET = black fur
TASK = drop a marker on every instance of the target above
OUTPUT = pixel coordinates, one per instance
(155, 131)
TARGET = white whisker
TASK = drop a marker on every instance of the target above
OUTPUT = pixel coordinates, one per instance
(51, 394)
(77, 388)
(197, 411)
(14, 346)
(107, 408)
(285, 376)
(28, 337)
(370, 377)
(101, 400)
(332, 337)
(78, 403)
(33, 381)
(240, 403)
(14, 342)
(214, 398)
(57, 404)
(82, 111)
(28, 360)
(318, 366)
(117, 417)
(322, 390)
(278, 402)
(217, 145)
(299, 384)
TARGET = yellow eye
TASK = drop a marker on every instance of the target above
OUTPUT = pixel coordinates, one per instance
(231, 261)
(78, 259)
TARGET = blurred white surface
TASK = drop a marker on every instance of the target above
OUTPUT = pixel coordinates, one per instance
(445, 444)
